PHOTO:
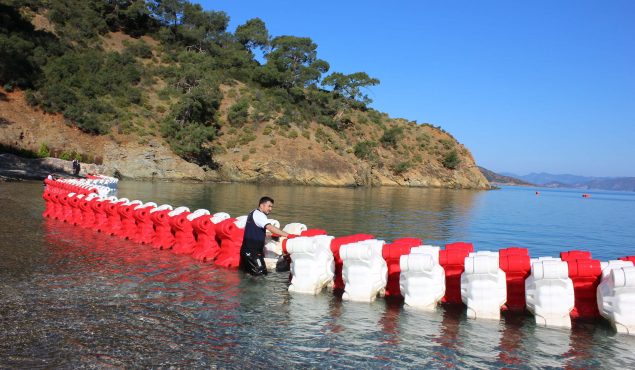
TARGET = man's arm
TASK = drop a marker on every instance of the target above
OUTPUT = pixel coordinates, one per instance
(275, 230)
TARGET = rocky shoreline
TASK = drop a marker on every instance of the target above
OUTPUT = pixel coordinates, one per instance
(16, 168)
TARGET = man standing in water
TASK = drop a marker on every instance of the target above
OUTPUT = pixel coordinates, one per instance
(252, 250)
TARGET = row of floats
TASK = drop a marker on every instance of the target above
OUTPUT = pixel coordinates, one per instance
(554, 290)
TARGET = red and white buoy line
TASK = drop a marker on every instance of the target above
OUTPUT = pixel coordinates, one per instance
(555, 290)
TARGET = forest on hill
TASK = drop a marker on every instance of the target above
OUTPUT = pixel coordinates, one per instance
(173, 70)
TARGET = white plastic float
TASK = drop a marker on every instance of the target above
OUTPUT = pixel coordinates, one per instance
(312, 263)
(219, 216)
(295, 228)
(549, 292)
(198, 213)
(483, 285)
(273, 247)
(422, 279)
(241, 221)
(162, 207)
(616, 295)
(365, 272)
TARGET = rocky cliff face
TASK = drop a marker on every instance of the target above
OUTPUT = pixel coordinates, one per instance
(320, 156)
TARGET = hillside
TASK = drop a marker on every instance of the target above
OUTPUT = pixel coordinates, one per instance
(495, 178)
(146, 99)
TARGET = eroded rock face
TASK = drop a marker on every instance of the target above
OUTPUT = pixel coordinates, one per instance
(154, 161)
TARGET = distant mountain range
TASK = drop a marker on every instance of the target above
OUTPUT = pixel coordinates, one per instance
(576, 182)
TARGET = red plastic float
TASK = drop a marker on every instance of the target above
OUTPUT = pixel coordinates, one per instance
(88, 216)
(516, 264)
(206, 248)
(163, 237)
(76, 212)
(392, 253)
(100, 214)
(145, 227)
(575, 255)
(452, 259)
(184, 240)
(128, 224)
(111, 208)
(628, 258)
(230, 238)
(585, 274)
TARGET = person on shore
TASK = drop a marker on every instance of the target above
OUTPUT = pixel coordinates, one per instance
(252, 250)
(76, 167)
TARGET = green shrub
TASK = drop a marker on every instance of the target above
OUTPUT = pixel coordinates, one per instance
(44, 151)
(451, 160)
(364, 149)
(245, 157)
(267, 130)
(238, 113)
(67, 156)
(402, 167)
(391, 137)
(246, 138)
(139, 50)
(284, 120)
(447, 144)
(292, 134)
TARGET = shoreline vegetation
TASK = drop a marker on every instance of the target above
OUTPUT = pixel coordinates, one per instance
(163, 90)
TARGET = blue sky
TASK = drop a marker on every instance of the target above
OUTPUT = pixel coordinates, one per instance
(527, 86)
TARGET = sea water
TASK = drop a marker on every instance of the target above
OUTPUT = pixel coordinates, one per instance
(71, 297)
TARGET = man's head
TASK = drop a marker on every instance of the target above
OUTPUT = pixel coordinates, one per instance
(265, 205)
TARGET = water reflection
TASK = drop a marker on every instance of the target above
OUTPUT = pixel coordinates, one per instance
(548, 345)
(437, 215)
(75, 298)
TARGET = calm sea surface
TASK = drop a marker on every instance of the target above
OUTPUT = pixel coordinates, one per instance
(72, 298)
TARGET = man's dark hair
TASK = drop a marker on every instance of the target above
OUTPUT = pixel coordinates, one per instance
(265, 200)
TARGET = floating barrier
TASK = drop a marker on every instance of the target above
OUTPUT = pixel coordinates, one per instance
(111, 209)
(483, 285)
(452, 259)
(364, 271)
(616, 295)
(555, 290)
(515, 263)
(585, 274)
(206, 247)
(312, 266)
(162, 238)
(230, 235)
(422, 279)
(183, 231)
(549, 292)
(145, 227)
(392, 254)
(336, 244)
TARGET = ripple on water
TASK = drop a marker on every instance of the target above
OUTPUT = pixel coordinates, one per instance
(74, 298)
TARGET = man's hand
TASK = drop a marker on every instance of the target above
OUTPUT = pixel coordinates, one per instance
(274, 230)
